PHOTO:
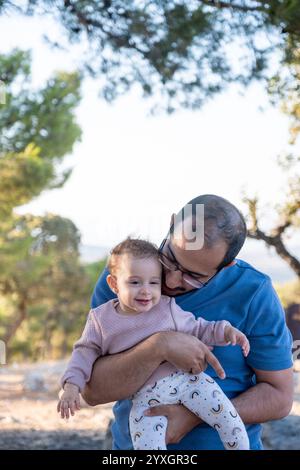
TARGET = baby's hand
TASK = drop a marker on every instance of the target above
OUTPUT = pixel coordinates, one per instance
(235, 336)
(69, 400)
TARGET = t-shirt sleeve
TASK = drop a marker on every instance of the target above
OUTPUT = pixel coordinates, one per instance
(270, 339)
(102, 292)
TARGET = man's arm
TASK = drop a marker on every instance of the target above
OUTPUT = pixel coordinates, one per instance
(118, 376)
(270, 399)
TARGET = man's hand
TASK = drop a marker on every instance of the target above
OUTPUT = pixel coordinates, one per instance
(180, 420)
(234, 336)
(69, 400)
(188, 353)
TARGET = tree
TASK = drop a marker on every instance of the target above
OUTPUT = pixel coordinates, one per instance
(288, 212)
(288, 217)
(48, 288)
(180, 49)
(33, 249)
(38, 255)
(37, 130)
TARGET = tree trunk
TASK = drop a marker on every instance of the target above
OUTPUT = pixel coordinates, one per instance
(288, 257)
(12, 329)
(281, 250)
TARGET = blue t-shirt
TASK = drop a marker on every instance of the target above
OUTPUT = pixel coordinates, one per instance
(246, 298)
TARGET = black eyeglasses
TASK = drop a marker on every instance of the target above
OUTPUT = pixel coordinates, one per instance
(173, 265)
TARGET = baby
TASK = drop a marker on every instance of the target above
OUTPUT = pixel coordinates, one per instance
(138, 312)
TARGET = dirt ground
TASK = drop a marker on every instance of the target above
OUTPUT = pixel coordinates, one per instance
(28, 417)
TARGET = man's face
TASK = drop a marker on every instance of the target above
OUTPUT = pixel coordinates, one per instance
(203, 262)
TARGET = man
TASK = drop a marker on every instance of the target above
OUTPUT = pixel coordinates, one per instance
(207, 281)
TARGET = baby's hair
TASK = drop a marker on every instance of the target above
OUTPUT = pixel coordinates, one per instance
(140, 249)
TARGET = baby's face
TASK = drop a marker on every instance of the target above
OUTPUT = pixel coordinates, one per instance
(139, 284)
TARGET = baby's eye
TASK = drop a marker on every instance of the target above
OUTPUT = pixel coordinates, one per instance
(133, 282)
(155, 282)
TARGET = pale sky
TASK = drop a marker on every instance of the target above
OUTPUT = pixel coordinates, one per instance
(132, 170)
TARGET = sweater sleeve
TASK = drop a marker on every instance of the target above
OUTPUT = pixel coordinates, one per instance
(209, 332)
(86, 350)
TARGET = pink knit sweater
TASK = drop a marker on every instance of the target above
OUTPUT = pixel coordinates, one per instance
(109, 332)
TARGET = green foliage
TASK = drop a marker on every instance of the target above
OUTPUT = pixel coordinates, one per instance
(41, 277)
(93, 270)
(177, 48)
(43, 117)
(43, 287)
(37, 129)
(23, 175)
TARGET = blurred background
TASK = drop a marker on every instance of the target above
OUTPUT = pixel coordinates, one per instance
(113, 114)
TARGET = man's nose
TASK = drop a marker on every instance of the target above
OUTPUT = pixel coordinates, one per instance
(173, 279)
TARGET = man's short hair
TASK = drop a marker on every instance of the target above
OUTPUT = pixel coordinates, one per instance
(222, 221)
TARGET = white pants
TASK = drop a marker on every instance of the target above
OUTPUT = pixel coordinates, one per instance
(201, 395)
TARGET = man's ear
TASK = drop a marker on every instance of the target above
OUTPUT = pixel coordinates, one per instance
(112, 282)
